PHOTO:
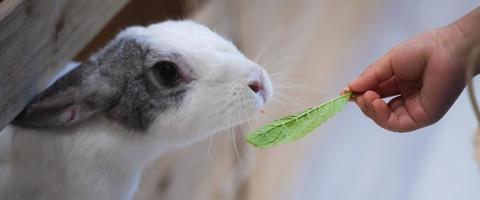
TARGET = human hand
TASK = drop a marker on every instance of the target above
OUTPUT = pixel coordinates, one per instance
(425, 73)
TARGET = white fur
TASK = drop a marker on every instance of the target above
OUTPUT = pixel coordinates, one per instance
(97, 159)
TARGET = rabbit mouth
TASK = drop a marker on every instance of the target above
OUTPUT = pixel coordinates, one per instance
(260, 99)
(264, 97)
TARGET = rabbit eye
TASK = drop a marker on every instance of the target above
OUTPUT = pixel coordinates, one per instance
(167, 73)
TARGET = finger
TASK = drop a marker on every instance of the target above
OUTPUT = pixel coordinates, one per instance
(374, 63)
(367, 69)
(376, 74)
(392, 116)
(360, 101)
(369, 97)
(400, 118)
(388, 88)
(382, 113)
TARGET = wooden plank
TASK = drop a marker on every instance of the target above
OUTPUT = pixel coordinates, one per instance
(37, 37)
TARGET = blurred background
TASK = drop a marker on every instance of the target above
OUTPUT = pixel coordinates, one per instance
(312, 49)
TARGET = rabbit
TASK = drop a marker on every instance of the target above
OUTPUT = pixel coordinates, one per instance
(150, 90)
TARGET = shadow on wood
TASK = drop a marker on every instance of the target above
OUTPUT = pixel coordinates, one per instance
(38, 37)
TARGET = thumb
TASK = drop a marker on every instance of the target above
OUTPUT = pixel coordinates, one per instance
(373, 76)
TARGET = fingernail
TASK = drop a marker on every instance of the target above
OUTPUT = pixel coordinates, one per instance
(345, 90)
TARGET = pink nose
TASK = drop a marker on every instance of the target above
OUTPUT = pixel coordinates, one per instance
(256, 86)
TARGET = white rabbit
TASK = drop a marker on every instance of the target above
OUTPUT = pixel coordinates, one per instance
(151, 89)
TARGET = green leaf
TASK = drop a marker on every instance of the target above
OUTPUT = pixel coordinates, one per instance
(294, 127)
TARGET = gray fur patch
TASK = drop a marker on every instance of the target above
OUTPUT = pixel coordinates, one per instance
(141, 102)
(115, 82)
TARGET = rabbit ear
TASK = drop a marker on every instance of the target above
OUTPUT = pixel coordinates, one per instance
(75, 97)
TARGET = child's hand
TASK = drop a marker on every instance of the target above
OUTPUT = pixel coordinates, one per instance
(425, 73)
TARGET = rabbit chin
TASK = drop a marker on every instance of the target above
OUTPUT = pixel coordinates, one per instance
(183, 127)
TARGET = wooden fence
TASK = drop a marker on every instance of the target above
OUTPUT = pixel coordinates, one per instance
(37, 37)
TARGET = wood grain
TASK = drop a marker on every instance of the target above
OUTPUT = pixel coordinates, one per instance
(37, 37)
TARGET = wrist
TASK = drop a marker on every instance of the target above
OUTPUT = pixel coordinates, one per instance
(469, 26)
(467, 37)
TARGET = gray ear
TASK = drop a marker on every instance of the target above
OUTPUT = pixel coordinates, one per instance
(75, 97)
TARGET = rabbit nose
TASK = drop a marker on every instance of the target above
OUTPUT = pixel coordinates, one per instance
(256, 86)
(259, 83)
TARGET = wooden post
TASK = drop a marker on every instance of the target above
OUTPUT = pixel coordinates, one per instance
(37, 37)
